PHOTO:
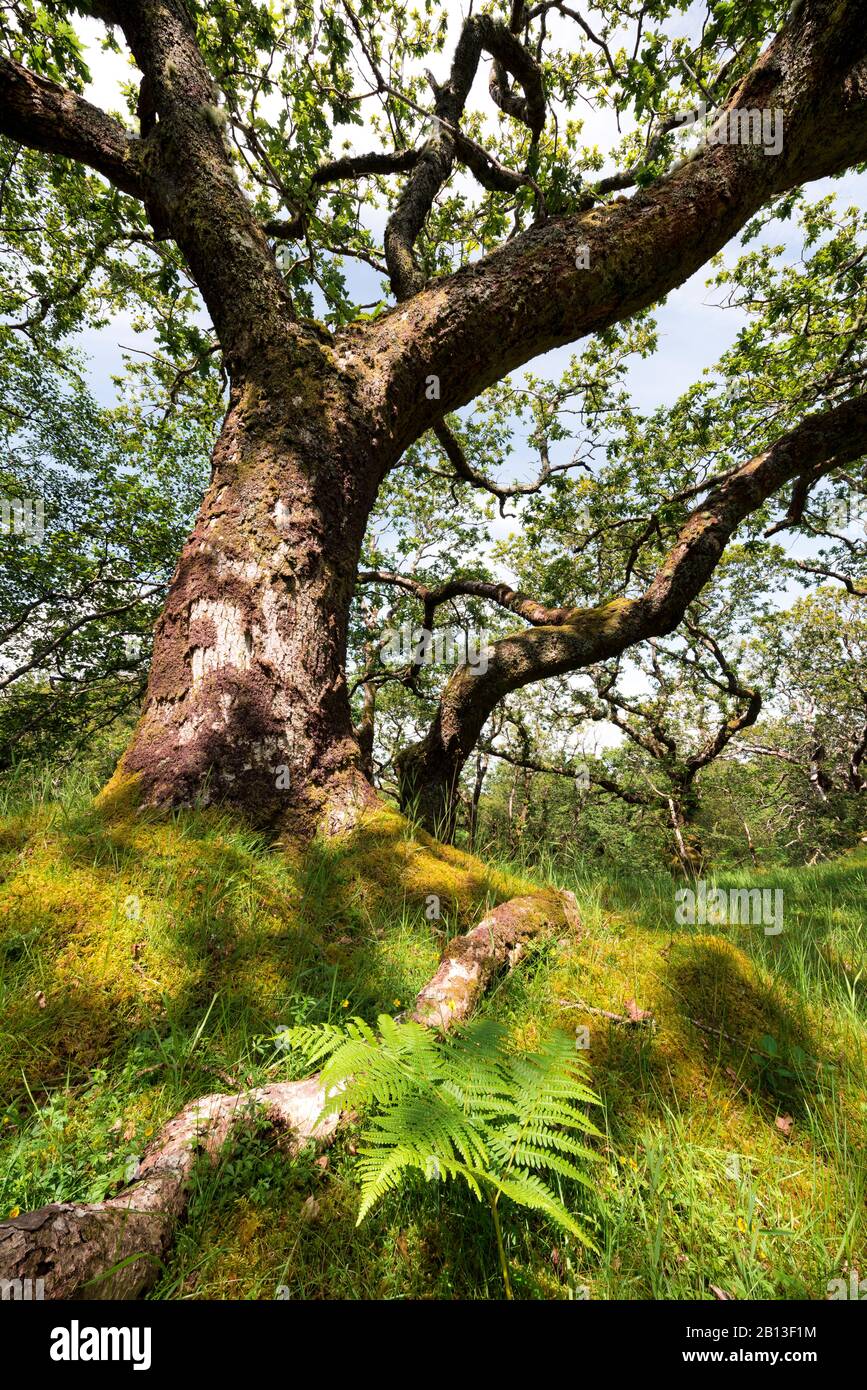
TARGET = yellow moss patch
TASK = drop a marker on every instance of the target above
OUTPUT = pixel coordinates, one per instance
(382, 854)
(121, 796)
(112, 925)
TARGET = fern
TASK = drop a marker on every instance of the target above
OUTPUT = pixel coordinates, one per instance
(510, 1124)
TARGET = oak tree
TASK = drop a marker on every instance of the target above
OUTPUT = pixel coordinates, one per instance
(501, 240)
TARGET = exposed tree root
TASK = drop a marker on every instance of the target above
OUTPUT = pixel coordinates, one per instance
(471, 961)
(113, 1249)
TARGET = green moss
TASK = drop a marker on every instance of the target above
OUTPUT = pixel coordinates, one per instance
(147, 961)
(122, 794)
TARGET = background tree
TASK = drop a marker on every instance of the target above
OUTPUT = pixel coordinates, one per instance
(815, 734)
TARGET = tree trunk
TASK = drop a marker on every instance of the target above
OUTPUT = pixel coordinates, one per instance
(473, 821)
(247, 700)
(689, 855)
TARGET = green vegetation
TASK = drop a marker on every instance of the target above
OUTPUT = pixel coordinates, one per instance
(464, 1106)
(147, 962)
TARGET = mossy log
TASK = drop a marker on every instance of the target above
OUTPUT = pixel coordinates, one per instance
(114, 1248)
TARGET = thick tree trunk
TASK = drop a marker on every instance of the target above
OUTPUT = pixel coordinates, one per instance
(247, 700)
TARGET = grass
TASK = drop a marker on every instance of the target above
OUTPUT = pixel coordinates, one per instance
(146, 962)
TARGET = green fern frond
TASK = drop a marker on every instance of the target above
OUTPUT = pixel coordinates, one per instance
(528, 1190)
(525, 1156)
(465, 1106)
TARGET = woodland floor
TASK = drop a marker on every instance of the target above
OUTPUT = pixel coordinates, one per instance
(143, 964)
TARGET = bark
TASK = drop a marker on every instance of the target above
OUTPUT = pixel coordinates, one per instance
(750, 845)
(855, 777)
(473, 818)
(247, 700)
(113, 1249)
(470, 963)
(688, 850)
(41, 114)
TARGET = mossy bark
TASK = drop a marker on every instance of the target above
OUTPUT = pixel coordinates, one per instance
(247, 700)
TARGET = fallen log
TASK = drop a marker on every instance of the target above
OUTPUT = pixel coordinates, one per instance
(114, 1248)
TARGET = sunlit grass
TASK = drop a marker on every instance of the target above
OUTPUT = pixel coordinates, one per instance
(145, 962)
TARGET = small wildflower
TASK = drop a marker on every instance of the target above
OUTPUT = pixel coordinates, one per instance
(13, 1212)
(396, 1003)
(742, 1225)
(344, 1003)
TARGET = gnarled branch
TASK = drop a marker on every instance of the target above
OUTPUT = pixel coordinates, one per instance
(48, 117)
(429, 770)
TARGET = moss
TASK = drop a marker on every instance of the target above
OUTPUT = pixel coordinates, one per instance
(122, 795)
(114, 923)
(382, 854)
(147, 961)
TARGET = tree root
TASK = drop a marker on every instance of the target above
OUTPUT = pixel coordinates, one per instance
(114, 1248)
(471, 961)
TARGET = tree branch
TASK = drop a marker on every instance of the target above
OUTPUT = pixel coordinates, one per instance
(511, 599)
(445, 142)
(535, 292)
(45, 116)
(464, 469)
(429, 770)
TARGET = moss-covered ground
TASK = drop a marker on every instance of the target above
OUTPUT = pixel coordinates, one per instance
(144, 962)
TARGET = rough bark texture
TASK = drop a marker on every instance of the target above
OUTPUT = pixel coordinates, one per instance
(248, 675)
(247, 699)
(113, 1249)
(470, 962)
